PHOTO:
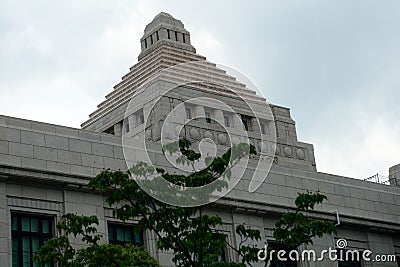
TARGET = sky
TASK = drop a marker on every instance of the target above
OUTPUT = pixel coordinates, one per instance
(335, 64)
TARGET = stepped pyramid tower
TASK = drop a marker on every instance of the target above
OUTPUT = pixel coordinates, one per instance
(167, 52)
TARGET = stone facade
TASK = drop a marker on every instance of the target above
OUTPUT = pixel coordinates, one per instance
(44, 168)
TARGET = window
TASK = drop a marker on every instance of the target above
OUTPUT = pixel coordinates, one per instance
(110, 130)
(28, 233)
(151, 39)
(275, 261)
(355, 263)
(222, 255)
(123, 234)
(350, 260)
(227, 121)
(169, 36)
(176, 36)
(263, 128)
(139, 117)
(145, 43)
(246, 123)
(208, 116)
(183, 37)
(158, 38)
(126, 125)
(189, 114)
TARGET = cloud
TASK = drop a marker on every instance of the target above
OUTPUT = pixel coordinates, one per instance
(368, 147)
(205, 42)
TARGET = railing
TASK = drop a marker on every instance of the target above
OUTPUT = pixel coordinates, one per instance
(380, 179)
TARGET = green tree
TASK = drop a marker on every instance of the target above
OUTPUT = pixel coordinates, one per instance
(189, 232)
(296, 228)
(59, 250)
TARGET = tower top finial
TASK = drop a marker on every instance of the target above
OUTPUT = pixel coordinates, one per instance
(165, 29)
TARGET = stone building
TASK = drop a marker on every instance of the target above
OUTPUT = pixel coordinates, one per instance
(44, 168)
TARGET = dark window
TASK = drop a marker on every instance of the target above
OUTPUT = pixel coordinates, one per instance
(183, 37)
(141, 119)
(110, 130)
(158, 38)
(208, 116)
(151, 39)
(349, 264)
(169, 36)
(227, 121)
(275, 262)
(348, 260)
(123, 234)
(28, 233)
(246, 123)
(145, 43)
(222, 256)
(176, 36)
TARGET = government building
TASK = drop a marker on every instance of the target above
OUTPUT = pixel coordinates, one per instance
(44, 168)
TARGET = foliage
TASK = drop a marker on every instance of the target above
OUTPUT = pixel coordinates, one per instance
(189, 232)
(295, 228)
(59, 249)
(112, 255)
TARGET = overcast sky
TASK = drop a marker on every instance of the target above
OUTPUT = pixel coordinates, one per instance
(336, 64)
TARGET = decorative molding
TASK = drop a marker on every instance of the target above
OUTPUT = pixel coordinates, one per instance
(222, 139)
(300, 154)
(208, 134)
(194, 133)
(287, 151)
(33, 203)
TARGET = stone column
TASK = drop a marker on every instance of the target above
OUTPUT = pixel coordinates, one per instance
(237, 122)
(254, 125)
(132, 121)
(219, 116)
(118, 129)
(187, 38)
(163, 33)
(180, 37)
(199, 112)
(5, 227)
(156, 131)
